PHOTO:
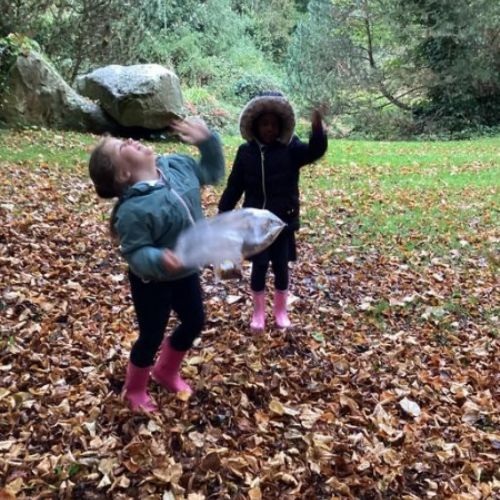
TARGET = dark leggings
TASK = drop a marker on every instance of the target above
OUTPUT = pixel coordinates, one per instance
(278, 253)
(153, 302)
(259, 271)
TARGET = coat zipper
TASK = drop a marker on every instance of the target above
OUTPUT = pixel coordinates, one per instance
(184, 204)
(263, 177)
(178, 196)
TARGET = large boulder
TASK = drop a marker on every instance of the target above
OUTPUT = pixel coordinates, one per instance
(142, 95)
(32, 92)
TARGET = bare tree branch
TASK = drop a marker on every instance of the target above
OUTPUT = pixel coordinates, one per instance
(381, 86)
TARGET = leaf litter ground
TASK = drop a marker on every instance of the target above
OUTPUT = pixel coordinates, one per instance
(387, 387)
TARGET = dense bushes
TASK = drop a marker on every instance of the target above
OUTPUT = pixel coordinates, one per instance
(379, 68)
(401, 68)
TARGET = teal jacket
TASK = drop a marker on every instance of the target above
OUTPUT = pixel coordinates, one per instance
(150, 218)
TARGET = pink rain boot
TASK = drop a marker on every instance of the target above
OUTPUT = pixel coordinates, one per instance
(135, 388)
(280, 314)
(259, 311)
(167, 367)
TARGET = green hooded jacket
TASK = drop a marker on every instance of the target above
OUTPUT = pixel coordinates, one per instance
(150, 217)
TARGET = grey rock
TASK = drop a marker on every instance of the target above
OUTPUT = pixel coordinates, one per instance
(36, 94)
(142, 95)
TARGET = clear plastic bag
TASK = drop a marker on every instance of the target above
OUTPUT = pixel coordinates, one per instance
(224, 240)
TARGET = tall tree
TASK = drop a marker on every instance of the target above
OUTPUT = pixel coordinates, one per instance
(456, 57)
(340, 54)
(433, 58)
(270, 23)
(77, 34)
(19, 15)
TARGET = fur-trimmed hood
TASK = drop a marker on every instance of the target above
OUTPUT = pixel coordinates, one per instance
(268, 102)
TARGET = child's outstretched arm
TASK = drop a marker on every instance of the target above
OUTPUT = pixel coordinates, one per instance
(210, 168)
(318, 142)
(235, 186)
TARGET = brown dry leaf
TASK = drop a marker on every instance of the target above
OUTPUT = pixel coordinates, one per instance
(350, 403)
(410, 407)
(169, 473)
(308, 417)
(211, 462)
(255, 493)
(15, 486)
(276, 407)
(7, 495)
(232, 299)
(471, 412)
(132, 466)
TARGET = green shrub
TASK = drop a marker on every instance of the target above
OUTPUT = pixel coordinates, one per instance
(200, 101)
(250, 85)
(382, 124)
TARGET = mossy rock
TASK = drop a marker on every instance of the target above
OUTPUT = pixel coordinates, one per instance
(11, 47)
(32, 92)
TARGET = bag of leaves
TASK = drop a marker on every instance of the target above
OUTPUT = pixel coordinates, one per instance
(225, 240)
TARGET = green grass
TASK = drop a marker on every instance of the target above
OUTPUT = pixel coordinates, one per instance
(42, 146)
(409, 195)
(423, 154)
(404, 195)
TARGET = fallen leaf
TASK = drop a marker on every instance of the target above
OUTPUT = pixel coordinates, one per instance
(410, 407)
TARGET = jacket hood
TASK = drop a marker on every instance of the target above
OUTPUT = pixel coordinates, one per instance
(141, 188)
(268, 102)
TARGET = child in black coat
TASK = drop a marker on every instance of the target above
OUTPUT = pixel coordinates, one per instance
(266, 171)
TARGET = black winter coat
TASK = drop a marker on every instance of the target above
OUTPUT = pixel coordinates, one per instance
(268, 176)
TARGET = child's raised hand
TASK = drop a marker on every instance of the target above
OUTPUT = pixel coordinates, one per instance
(171, 262)
(316, 120)
(192, 131)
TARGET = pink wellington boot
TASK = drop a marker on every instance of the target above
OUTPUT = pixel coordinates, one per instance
(135, 388)
(280, 304)
(259, 311)
(167, 369)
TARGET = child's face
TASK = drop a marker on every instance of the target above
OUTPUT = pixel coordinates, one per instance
(268, 128)
(129, 156)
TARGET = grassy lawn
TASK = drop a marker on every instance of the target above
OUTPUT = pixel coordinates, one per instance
(403, 195)
(397, 196)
